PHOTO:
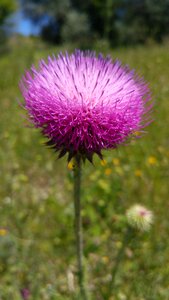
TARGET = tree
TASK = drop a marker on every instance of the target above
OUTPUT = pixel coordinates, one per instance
(101, 15)
(158, 18)
(136, 21)
(6, 8)
(131, 22)
(117, 21)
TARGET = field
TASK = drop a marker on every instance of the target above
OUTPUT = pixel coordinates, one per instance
(37, 248)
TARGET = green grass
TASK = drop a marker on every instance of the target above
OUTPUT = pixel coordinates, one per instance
(37, 251)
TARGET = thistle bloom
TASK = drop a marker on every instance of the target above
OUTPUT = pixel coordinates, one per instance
(139, 217)
(25, 293)
(84, 103)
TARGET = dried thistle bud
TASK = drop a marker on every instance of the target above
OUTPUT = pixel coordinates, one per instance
(139, 217)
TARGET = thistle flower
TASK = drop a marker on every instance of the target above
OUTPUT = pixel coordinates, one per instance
(139, 217)
(25, 293)
(84, 103)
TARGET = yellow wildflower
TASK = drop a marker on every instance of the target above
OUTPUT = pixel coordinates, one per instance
(103, 162)
(3, 231)
(108, 171)
(152, 160)
(105, 259)
(71, 165)
(138, 173)
(116, 161)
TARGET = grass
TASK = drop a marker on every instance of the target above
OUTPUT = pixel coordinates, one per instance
(36, 211)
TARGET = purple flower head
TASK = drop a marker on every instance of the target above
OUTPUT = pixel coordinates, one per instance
(25, 293)
(84, 103)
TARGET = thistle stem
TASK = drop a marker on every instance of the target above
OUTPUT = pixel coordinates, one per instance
(78, 226)
(119, 258)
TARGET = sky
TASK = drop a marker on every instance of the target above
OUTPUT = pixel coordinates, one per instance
(22, 25)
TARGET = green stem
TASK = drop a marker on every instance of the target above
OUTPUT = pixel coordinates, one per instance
(119, 258)
(78, 226)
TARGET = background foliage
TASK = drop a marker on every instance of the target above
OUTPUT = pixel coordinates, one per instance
(6, 8)
(117, 21)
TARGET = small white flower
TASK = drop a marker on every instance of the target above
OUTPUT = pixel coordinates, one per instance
(139, 217)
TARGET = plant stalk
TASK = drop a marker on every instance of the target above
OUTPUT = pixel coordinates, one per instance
(78, 226)
(119, 258)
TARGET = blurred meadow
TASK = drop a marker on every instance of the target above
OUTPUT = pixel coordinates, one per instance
(37, 246)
